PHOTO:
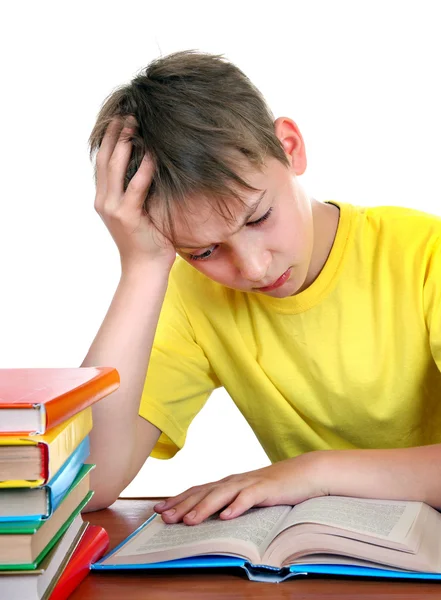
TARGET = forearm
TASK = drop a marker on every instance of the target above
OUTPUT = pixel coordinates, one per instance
(124, 341)
(395, 474)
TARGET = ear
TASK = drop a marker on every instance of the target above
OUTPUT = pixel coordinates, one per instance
(291, 139)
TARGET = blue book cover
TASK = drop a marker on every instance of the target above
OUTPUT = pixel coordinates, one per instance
(20, 504)
(115, 560)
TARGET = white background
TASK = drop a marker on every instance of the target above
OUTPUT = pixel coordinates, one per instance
(361, 79)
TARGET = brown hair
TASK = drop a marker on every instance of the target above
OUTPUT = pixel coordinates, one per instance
(196, 115)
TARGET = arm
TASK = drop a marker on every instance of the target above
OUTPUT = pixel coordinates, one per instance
(395, 474)
(120, 439)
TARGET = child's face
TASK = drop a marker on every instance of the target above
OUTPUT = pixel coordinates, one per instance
(269, 252)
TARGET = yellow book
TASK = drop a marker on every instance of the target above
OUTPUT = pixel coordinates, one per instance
(32, 460)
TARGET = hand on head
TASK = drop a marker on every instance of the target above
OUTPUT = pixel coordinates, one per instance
(137, 239)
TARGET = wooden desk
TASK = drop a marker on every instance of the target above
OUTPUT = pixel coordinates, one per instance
(127, 514)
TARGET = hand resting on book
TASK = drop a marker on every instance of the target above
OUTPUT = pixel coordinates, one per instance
(287, 482)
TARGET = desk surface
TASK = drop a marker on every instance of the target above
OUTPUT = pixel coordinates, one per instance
(127, 514)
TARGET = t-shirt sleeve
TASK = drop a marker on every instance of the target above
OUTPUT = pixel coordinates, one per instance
(432, 302)
(179, 378)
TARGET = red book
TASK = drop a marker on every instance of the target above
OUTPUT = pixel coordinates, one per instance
(35, 400)
(92, 547)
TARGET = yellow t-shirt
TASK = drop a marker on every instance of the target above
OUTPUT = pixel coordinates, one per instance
(351, 362)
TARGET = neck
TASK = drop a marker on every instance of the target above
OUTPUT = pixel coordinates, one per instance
(325, 222)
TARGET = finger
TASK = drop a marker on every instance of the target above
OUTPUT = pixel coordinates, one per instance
(248, 497)
(160, 507)
(140, 183)
(175, 514)
(214, 501)
(173, 500)
(118, 163)
(105, 151)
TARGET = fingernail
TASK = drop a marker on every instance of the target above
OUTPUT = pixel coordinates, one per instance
(226, 512)
(169, 512)
(160, 505)
(192, 514)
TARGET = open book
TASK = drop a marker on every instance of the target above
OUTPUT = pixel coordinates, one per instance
(328, 535)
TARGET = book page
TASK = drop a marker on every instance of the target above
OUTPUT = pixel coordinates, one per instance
(254, 527)
(385, 519)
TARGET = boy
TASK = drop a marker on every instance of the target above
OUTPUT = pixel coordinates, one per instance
(321, 319)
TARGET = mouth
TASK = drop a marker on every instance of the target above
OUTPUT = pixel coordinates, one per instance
(278, 283)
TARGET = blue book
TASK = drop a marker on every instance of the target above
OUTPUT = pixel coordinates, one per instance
(367, 538)
(29, 504)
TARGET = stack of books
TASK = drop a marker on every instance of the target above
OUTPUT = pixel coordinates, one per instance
(45, 419)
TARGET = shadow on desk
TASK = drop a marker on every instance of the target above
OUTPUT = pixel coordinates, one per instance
(201, 584)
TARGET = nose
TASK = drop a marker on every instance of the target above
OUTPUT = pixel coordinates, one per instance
(252, 264)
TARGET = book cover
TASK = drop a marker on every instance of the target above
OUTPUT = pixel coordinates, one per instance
(54, 448)
(92, 546)
(331, 535)
(23, 504)
(36, 400)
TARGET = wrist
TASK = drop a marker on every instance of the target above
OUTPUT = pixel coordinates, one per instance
(146, 269)
(351, 472)
(320, 471)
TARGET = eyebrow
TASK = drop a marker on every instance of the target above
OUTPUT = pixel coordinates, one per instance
(250, 213)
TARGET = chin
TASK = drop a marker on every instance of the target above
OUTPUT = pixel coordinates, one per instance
(280, 292)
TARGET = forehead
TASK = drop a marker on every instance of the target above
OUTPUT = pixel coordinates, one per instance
(205, 222)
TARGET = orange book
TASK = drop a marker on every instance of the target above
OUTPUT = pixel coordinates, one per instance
(93, 545)
(35, 400)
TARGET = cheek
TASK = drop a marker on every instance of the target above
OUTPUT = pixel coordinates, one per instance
(284, 237)
(293, 236)
(218, 270)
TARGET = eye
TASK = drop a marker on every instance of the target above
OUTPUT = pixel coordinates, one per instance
(204, 255)
(261, 220)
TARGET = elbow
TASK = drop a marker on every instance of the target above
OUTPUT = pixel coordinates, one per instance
(106, 490)
(100, 502)
(105, 493)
